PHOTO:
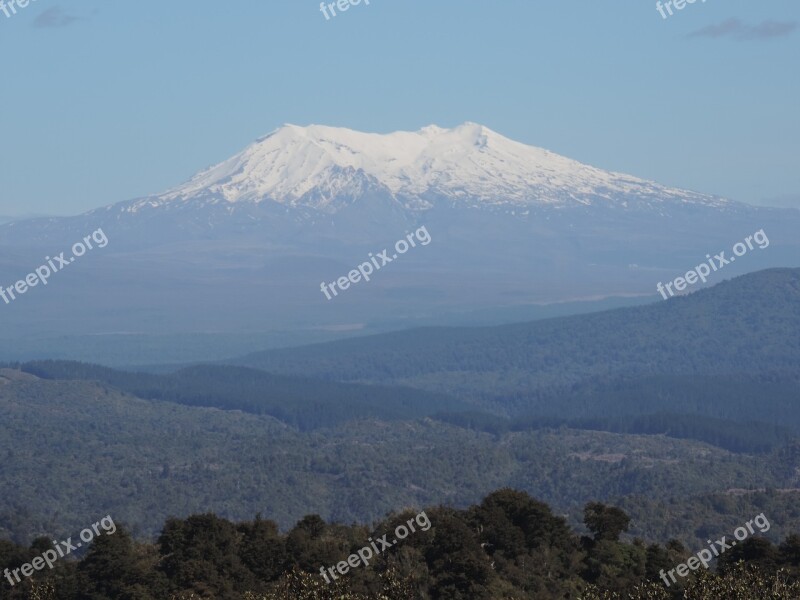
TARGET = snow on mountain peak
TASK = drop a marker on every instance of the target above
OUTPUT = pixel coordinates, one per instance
(467, 161)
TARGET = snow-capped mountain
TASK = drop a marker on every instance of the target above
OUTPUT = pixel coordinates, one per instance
(243, 246)
(315, 165)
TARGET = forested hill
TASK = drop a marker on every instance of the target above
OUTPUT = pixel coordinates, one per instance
(733, 348)
(77, 448)
(297, 401)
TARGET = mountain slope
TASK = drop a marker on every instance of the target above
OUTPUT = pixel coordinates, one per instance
(315, 164)
(295, 401)
(244, 247)
(739, 338)
(91, 450)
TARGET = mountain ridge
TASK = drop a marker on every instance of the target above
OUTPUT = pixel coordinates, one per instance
(567, 365)
(467, 161)
(506, 233)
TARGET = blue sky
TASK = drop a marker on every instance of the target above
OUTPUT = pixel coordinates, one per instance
(108, 100)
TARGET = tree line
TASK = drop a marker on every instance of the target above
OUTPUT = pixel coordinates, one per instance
(509, 546)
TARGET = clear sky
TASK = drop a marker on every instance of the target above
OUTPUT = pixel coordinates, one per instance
(107, 100)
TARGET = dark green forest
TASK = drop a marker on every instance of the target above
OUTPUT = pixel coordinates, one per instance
(752, 437)
(729, 352)
(718, 366)
(684, 415)
(72, 448)
(308, 404)
(508, 546)
(299, 402)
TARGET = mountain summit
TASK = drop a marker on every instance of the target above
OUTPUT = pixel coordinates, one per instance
(512, 225)
(470, 163)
